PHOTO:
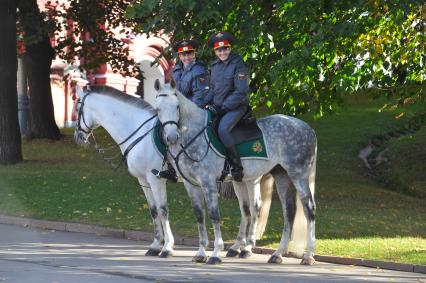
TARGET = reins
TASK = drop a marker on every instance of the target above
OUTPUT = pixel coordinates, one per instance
(185, 147)
(102, 151)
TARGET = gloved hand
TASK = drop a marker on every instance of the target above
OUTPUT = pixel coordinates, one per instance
(214, 109)
(221, 110)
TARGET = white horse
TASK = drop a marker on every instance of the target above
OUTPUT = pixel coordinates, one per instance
(129, 121)
(292, 149)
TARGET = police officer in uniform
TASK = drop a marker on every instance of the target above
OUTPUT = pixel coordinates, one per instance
(192, 80)
(228, 94)
(190, 75)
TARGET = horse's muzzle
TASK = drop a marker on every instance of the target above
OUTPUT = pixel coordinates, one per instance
(172, 139)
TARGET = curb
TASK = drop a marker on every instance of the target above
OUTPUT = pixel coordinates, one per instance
(187, 241)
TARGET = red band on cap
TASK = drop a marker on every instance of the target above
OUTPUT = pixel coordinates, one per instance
(186, 48)
(222, 43)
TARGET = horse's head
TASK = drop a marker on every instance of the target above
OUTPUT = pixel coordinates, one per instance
(167, 106)
(85, 122)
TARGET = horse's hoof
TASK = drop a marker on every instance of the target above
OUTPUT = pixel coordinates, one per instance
(166, 254)
(232, 253)
(152, 252)
(245, 253)
(275, 259)
(199, 259)
(308, 261)
(214, 260)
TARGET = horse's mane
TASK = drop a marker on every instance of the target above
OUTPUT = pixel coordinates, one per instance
(187, 106)
(122, 96)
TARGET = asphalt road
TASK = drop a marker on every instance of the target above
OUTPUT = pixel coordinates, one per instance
(34, 255)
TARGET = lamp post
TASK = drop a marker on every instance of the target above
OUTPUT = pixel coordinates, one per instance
(23, 101)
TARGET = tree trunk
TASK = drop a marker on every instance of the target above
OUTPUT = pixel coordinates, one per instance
(10, 137)
(42, 115)
(38, 60)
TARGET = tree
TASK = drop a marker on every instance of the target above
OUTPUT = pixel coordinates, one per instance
(89, 38)
(10, 138)
(39, 55)
(93, 27)
(305, 54)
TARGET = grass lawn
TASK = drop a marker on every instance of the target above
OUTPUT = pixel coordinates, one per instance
(406, 168)
(356, 216)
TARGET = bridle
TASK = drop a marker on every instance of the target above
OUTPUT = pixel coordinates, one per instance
(185, 147)
(80, 118)
(170, 121)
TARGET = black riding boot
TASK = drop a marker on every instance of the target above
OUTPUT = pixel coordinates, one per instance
(169, 174)
(236, 166)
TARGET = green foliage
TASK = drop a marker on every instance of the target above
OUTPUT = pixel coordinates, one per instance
(37, 23)
(305, 54)
(95, 30)
(102, 26)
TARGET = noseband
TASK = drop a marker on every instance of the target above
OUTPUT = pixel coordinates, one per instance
(171, 121)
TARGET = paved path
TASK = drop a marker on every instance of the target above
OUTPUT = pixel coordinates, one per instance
(34, 255)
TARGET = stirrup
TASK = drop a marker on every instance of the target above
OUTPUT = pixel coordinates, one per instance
(166, 174)
(237, 175)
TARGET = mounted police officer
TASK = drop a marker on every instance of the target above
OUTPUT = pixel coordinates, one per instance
(228, 94)
(192, 80)
(190, 75)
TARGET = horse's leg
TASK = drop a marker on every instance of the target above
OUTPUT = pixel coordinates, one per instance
(308, 203)
(155, 247)
(211, 198)
(253, 189)
(160, 197)
(197, 198)
(288, 202)
(243, 200)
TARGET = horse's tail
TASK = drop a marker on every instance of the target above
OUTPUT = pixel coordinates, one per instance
(312, 175)
(300, 232)
(266, 190)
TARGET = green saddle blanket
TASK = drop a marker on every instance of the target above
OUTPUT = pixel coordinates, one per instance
(249, 149)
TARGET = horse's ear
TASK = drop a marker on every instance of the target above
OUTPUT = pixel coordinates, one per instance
(157, 85)
(172, 83)
(80, 92)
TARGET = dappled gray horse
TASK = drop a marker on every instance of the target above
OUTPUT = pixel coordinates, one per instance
(292, 149)
(129, 121)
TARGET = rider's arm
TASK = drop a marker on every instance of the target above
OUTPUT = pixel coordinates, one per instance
(200, 85)
(239, 95)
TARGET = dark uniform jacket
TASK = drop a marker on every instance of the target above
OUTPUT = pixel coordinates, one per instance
(192, 81)
(228, 83)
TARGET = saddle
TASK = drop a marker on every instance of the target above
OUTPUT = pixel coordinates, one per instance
(245, 130)
(248, 137)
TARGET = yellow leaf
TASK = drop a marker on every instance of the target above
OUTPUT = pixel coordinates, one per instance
(399, 116)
